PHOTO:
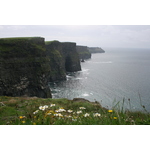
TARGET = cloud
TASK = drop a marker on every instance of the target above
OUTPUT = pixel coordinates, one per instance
(1, 27)
(90, 35)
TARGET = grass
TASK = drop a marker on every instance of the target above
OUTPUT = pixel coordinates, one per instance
(38, 111)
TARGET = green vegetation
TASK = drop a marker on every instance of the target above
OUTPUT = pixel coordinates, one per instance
(49, 42)
(38, 111)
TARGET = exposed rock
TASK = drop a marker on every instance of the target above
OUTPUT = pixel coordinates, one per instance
(57, 60)
(63, 58)
(83, 52)
(72, 61)
(24, 67)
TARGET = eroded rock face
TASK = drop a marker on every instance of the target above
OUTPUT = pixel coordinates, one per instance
(72, 61)
(24, 67)
(63, 58)
(57, 61)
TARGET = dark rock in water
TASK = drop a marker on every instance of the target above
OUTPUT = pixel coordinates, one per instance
(24, 67)
(83, 52)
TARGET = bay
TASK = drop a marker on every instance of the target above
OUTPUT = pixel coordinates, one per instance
(111, 77)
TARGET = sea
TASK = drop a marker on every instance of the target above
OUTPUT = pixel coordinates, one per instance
(118, 78)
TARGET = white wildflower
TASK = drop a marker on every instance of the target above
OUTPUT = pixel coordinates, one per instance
(79, 112)
(58, 115)
(86, 115)
(70, 111)
(42, 108)
(82, 108)
(60, 110)
(96, 115)
(68, 116)
(52, 105)
(35, 112)
(46, 106)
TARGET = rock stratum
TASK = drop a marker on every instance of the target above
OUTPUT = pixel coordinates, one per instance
(28, 64)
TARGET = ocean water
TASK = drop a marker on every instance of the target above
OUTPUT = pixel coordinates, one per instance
(111, 77)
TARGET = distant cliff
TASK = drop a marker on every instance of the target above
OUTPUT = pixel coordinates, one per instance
(24, 67)
(96, 50)
(83, 52)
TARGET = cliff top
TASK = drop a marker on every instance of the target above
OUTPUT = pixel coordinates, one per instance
(17, 38)
(49, 42)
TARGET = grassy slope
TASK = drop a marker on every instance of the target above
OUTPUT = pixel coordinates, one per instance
(19, 111)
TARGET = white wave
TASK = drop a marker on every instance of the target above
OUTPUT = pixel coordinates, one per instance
(85, 94)
(84, 70)
(78, 78)
(68, 76)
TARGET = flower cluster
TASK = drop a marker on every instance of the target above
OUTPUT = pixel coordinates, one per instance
(43, 107)
(86, 115)
(60, 110)
(62, 113)
(96, 115)
(82, 108)
(22, 117)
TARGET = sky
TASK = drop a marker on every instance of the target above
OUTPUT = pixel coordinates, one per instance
(126, 36)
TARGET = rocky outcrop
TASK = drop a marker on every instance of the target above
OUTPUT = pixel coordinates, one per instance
(83, 52)
(24, 67)
(63, 58)
(96, 50)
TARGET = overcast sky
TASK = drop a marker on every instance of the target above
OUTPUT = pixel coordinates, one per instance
(127, 36)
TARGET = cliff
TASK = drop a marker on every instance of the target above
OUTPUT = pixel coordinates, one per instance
(28, 64)
(96, 50)
(24, 67)
(72, 61)
(83, 52)
(63, 57)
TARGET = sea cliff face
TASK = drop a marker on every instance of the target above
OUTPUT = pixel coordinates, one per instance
(72, 61)
(24, 67)
(57, 61)
(83, 52)
(63, 58)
